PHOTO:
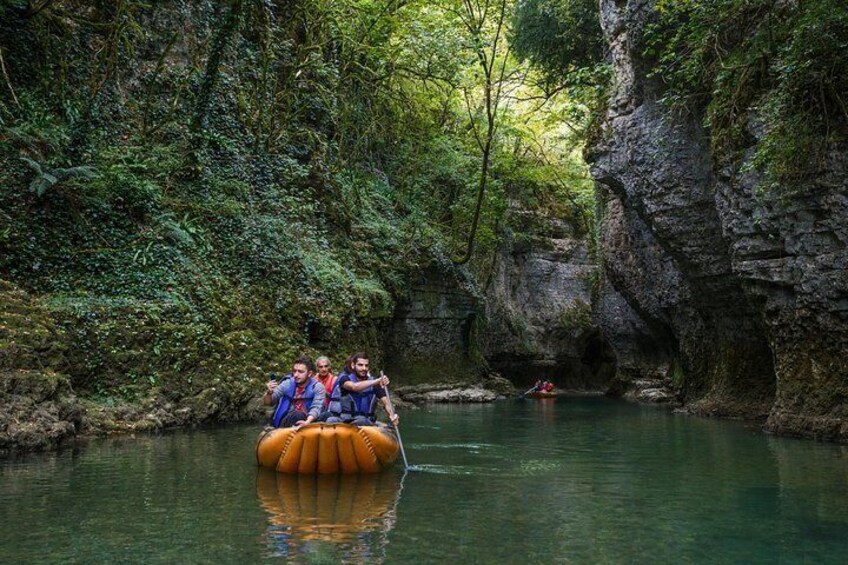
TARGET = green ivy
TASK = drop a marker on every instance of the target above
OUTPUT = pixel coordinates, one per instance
(768, 74)
(201, 205)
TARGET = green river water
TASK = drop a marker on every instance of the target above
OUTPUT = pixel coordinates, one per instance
(580, 479)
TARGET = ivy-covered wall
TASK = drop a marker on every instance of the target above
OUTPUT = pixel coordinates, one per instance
(177, 201)
(194, 192)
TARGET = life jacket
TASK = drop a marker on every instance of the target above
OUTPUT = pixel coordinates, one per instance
(288, 399)
(356, 404)
(328, 398)
(335, 395)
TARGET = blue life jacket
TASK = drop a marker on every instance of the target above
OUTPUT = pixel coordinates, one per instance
(356, 404)
(288, 399)
(335, 396)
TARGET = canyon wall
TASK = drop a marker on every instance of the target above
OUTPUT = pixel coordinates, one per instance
(538, 308)
(746, 287)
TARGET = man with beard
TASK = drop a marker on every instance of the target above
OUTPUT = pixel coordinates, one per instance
(358, 393)
(298, 397)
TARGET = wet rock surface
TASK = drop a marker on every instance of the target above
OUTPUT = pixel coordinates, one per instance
(447, 394)
(538, 307)
(642, 350)
(654, 391)
(432, 336)
(493, 387)
(744, 287)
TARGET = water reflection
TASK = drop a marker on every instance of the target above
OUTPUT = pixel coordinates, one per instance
(545, 407)
(328, 517)
(603, 482)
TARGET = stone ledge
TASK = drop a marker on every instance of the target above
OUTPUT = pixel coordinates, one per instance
(449, 393)
(814, 427)
(653, 391)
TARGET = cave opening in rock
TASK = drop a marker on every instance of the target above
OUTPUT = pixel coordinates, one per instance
(592, 368)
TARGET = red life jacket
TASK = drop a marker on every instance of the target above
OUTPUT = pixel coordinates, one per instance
(328, 384)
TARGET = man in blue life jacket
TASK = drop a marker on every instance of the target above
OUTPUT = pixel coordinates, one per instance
(356, 395)
(298, 397)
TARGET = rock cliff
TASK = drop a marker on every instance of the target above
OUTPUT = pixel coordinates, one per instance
(747, 289)
(432, 337)
(538, 307)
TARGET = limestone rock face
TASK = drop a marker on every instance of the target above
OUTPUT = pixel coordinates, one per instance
(792, 253)
(641, 350)
(747, 289)
(538, 307)
(432, 337)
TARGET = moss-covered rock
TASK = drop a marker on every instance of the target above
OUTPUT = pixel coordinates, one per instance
(38, 410)
(29, 336)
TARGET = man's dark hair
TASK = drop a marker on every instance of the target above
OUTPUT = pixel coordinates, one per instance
(305, 360)
(357, 356)
(348, 364)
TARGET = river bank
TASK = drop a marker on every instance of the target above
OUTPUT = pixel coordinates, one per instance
(39, 411)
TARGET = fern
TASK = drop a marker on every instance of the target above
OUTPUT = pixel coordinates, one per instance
(173, 230)
(46, 178)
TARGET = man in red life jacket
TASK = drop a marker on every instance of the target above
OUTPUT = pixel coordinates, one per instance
(298, 397)
(548, 386)
(325, 377)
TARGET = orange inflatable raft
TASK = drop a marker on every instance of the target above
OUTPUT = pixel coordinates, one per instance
(327, 448)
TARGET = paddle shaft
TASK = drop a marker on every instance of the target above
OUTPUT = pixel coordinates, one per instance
(392, 408)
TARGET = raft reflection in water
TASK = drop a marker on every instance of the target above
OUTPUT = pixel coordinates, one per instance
(339, 517)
